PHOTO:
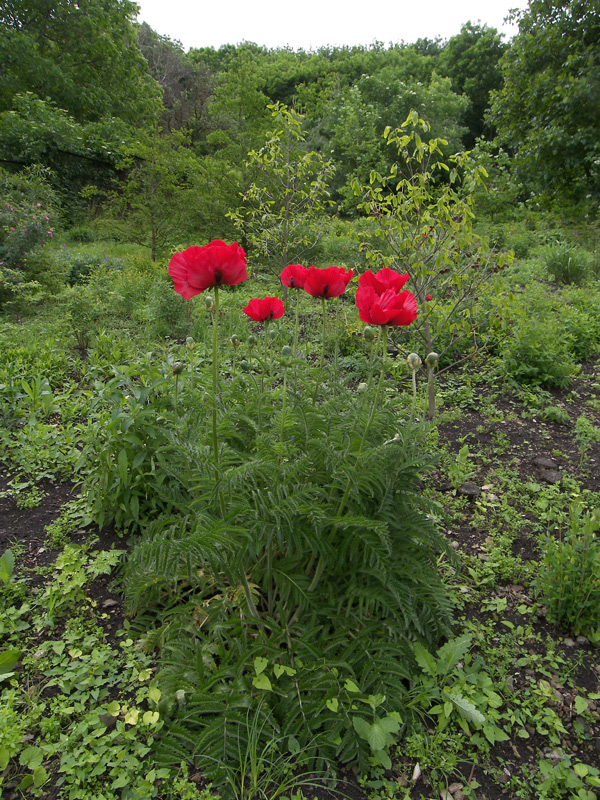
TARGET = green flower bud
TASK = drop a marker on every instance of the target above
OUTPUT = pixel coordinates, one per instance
(252, 340)
(235, 342)
(190, 342)
(432, 360)
(209, 303)
(177, 368)
(362, 387)
(369, 334)
(413, 361)
(286, 351)
(273, 334)
(244, 365)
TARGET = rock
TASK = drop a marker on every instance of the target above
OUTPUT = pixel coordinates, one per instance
(568, 642)
(468, 489)
(582, 640)
(545, 463)
(455, 787)
(551, 476)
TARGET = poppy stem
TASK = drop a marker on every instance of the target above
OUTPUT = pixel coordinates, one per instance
(215, 365)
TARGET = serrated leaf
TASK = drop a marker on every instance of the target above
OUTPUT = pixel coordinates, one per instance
(362, 727)
(466, 709)
(389, 725)
(40, 776)
(425, 660)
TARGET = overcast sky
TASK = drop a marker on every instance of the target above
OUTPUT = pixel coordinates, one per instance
(309, 24)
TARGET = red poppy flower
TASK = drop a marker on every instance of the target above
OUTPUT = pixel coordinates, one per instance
(391, 308)
(263, 309)
(294, 276)
(214, 264)
(428, 297)
(327, 282)
(383, 280)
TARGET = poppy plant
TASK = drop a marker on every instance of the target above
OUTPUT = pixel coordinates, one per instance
(390, 308)
(383, 280)
(327, 282)
(213, 264)
(264, 309)
(294, 276)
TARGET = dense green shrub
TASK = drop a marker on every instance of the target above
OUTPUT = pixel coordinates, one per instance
(567, 264)
(570, 574)
(539, 353)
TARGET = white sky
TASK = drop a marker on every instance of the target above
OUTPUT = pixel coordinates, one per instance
(309, 24)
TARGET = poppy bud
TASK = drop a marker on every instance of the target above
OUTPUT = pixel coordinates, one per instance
(369, 334)
(286, 351)
(432, 360)
(235, 342)
(252, 340)
(244, 365)
(413, 361)
(190, 342)
(273, 334)
(362, 387)
(177, 368)
(209, 303)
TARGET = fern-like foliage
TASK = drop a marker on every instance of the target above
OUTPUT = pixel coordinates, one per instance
(324, 567)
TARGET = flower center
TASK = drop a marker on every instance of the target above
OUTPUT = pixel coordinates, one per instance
(218, 276)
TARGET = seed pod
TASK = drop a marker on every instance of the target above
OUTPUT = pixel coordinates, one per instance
(413, 361)
(369, 334)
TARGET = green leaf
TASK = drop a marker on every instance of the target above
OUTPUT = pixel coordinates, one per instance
(40, 776)
(123, 465)
(262, 682)
(332, 704)
(425, 660)
(7, 565)
(580, 704)
(8, 660)
(350, 686)
(260, 664)
(581, 769)
(362, 727)
(466, 709)
(31, 757)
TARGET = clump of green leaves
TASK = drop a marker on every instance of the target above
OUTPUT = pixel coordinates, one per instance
(565, 263)
(570, 574)
(539, 354)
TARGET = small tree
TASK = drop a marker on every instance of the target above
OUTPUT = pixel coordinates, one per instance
(282, 212)
(424, 226)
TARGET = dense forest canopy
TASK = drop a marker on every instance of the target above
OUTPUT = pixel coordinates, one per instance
(103, 102)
